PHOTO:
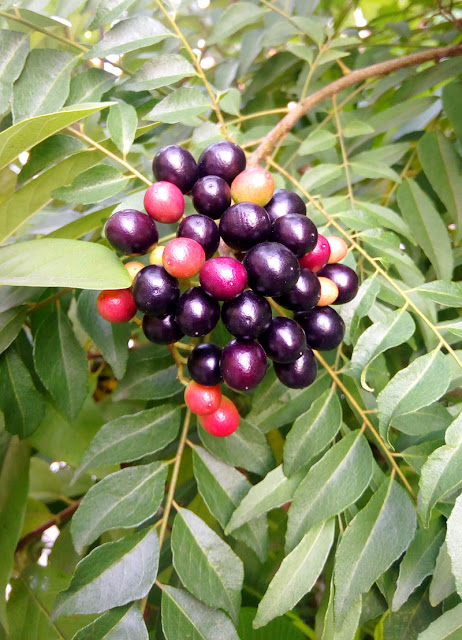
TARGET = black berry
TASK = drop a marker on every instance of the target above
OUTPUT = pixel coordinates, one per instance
(246, 316)
(345, 279)
(284, 202)
(132, 232)
(284, 341)
(197, 313)
(323, 327)
(243, 364)
(175, 164)
(204, 364)
(298, 374)
(244, 225)
(224, 159)
(297, 233)
(155, 291)
(203, 230)
(211, 196)
(163, 330)
(272, 269)
(305, 293)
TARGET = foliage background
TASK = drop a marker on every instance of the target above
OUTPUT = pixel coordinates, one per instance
(369, 457)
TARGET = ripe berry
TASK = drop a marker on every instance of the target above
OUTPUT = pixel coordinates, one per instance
(345, 279)
(223, 278)
(132, 232)
(197, 313)
(253, 185)
(298, 374)
(304, 294)
(183, 258)
(204, 364)
(175, 164)
(211, 196)
(155, 291)
(164, 202)
(224, 159)
(284, 202)
(323, 327)
(246, 316)
(272, 268)
(243, 364)
(329, 292)
(203, 230)
(116, 305)
(318, 257)
(202, 400)
(338, 248)
(163, 330)
(296, 232)
(224, 421)
(284, 341)
(244, 225)
(155, 257)
(134, 268)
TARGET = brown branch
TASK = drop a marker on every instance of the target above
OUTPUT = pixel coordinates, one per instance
(58, 519)
(285, 125)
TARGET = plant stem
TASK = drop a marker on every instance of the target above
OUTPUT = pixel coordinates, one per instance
(58, 519)
(31, 25)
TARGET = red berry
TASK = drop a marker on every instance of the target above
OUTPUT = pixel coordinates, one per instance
(116, 305)
(164, 202)
(183, 258)
(202, 400)
(223, 278)
(318, 258)
(224, 421)
(253, 185)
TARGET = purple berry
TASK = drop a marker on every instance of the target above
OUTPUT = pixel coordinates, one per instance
(298, 374)
(197, 313)
(246, 316)
(305, 293)
(203, 230)
(345, 279)
(132, 232)
(156, 292)
(284, 341)
(223, 278)
(243, 364)
(297, 233)
(204, 364)
(175, 164)
(272, 269)
(224, 159)
(244, 225)
(163, 330)
(323, 327)
(284, 202)
(211, 196)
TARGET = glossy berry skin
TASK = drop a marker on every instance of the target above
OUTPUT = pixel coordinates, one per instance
(297, 233)
(164, 202)
(253, 185)
(223, 422)
(272, 269)
(163, 330)
(243, 364)
(323, 327)
(155, 257)
(284, 341)
(304, 294)
(203, 230)
(116, 305)
(329, 292)
(318, 257)
(202, 400)
(246, 316)
(211, 196)
(155, 291)
(345, 279)
(175, 164)
(183, 258)
(284, 202)
(298, 374)
(197, 313)
(244, 225)
(134, 268)
(204, 364)
(223, 278)
(338, 248)
(131, 232)
(224, 159)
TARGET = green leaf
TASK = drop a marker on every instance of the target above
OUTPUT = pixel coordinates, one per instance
(14, 484)
(93, 185)
(246, 448)
(222, 488)
(373, 540)
(302, 51)
(281, 628)
(233, 19)
(368, 215)
(80, 227)
(400, 114)
(331, 485)
(445, 293)
(129, 35)
(347, 630)
(372, 169)
(353, 311)
(89, 85)
(131, 437)
(44, 83)
(435, 417)
(61, 362)
(311, 28)
(160, 71)
(112, 575)
(108, 11)
(420, 214)
(148, 378)
(443, 582)
(442, 168)
(62, 263)
(123, 499)
(272, 492)
(411, 619)
(297, 573)
(318, 176)
(446, 627)
(425, 380)
(118, 623)
(453, 542)
(21, 403)
(14, 47)
(418, 562)
(122, 123)
(11, 322)
(182, 105)
(319, 140)
(205, 564)
(312, 432)
(15, 296)
(356, 128)
(185, 617)
(230, 101)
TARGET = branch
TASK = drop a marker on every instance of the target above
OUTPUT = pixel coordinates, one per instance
(285, 125)
(58, 519)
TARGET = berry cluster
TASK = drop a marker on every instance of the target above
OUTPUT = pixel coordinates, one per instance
(273, 250)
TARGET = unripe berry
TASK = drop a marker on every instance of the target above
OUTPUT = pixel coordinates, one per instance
(329, 292)
(224, 421)
(203, 230)
(155, 257)
(202, 400)
(164, 202)
(116, 305)
(317, 259)
(253, 185)
(183, 258)
(134, 268)
(338, 248)
(223, 278)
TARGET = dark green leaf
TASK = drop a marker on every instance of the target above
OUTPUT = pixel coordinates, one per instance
(353, 311)
(89, 85)
(411, 619)
(93, 185)
(452, 101)
(121, 622)
(443, 582)
(182, 105)
(148, 378)
(11, 322)
(453, 542)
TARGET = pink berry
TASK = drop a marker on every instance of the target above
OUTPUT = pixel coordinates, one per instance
(223, 278)
(164, 202)
(224, 421)
(202, 400)
(319, 257)
(183, 258)
(116, 305)
(253, 185)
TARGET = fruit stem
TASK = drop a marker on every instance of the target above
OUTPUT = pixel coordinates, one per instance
(179, 361)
